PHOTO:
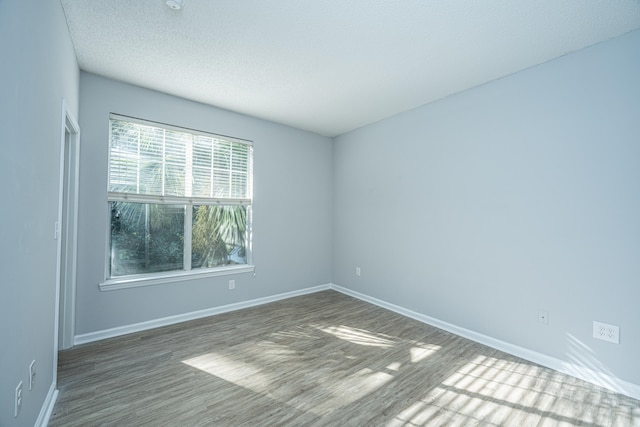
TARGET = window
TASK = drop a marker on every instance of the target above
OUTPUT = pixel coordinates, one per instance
(179, 200)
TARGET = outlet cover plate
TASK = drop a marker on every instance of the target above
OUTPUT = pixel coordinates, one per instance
(32, 374)
(606, 332)
(543, 317)
(18, 399)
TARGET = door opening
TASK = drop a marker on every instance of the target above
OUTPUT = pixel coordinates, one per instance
(66, 232)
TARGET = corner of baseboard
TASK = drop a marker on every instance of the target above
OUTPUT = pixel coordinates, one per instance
(600, 379)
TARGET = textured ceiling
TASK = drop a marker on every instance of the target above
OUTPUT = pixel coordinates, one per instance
(330, 66)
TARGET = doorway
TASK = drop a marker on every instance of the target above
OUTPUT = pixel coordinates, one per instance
(66, 229)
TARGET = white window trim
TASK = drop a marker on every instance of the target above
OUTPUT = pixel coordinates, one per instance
(139, 280)
(142, 198)
(150, 279)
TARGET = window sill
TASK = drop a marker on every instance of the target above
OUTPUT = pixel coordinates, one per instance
(171, 277)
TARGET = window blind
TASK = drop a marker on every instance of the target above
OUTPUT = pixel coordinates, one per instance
(150, 162)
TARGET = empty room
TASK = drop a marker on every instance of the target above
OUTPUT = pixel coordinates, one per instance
(320, 213)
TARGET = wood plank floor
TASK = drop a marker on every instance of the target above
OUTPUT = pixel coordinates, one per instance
(323, 359)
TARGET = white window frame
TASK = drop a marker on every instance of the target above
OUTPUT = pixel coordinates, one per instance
(147, 279)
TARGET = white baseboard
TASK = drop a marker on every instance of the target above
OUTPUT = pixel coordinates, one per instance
(170, 320)
(584, 373)
(47, 407)
(581, 372)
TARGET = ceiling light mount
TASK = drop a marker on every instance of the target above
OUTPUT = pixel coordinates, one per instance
(175, 4)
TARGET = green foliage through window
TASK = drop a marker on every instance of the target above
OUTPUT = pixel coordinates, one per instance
(218, 236)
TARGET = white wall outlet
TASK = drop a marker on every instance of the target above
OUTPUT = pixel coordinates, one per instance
(357, 271)
(18, 399)
(543, 317)
(232, 284)
(32, 375)
(606, 332)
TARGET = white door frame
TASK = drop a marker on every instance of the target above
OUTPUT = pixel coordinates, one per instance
(66, 230)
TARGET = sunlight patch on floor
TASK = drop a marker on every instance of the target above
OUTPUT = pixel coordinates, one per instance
(418, 354)
(234, 371)
(358, 336)
(503, 392)
(394, 366)
(266, 367)
(331, 393)
(349, 389)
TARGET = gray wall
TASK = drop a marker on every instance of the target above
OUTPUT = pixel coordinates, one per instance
(38, 70)
(292, 208)
(519, 195)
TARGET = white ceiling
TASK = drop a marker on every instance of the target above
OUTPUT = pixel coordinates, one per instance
(330, 66)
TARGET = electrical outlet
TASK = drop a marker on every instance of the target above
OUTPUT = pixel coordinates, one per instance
(357, 271)
(606, 332)
(32, 375)
(18, 399)
(543, 317)
(232, 284)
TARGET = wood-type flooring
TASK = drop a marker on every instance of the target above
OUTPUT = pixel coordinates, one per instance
(323, 359)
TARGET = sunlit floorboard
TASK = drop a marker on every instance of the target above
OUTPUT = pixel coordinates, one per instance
(319, 360)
